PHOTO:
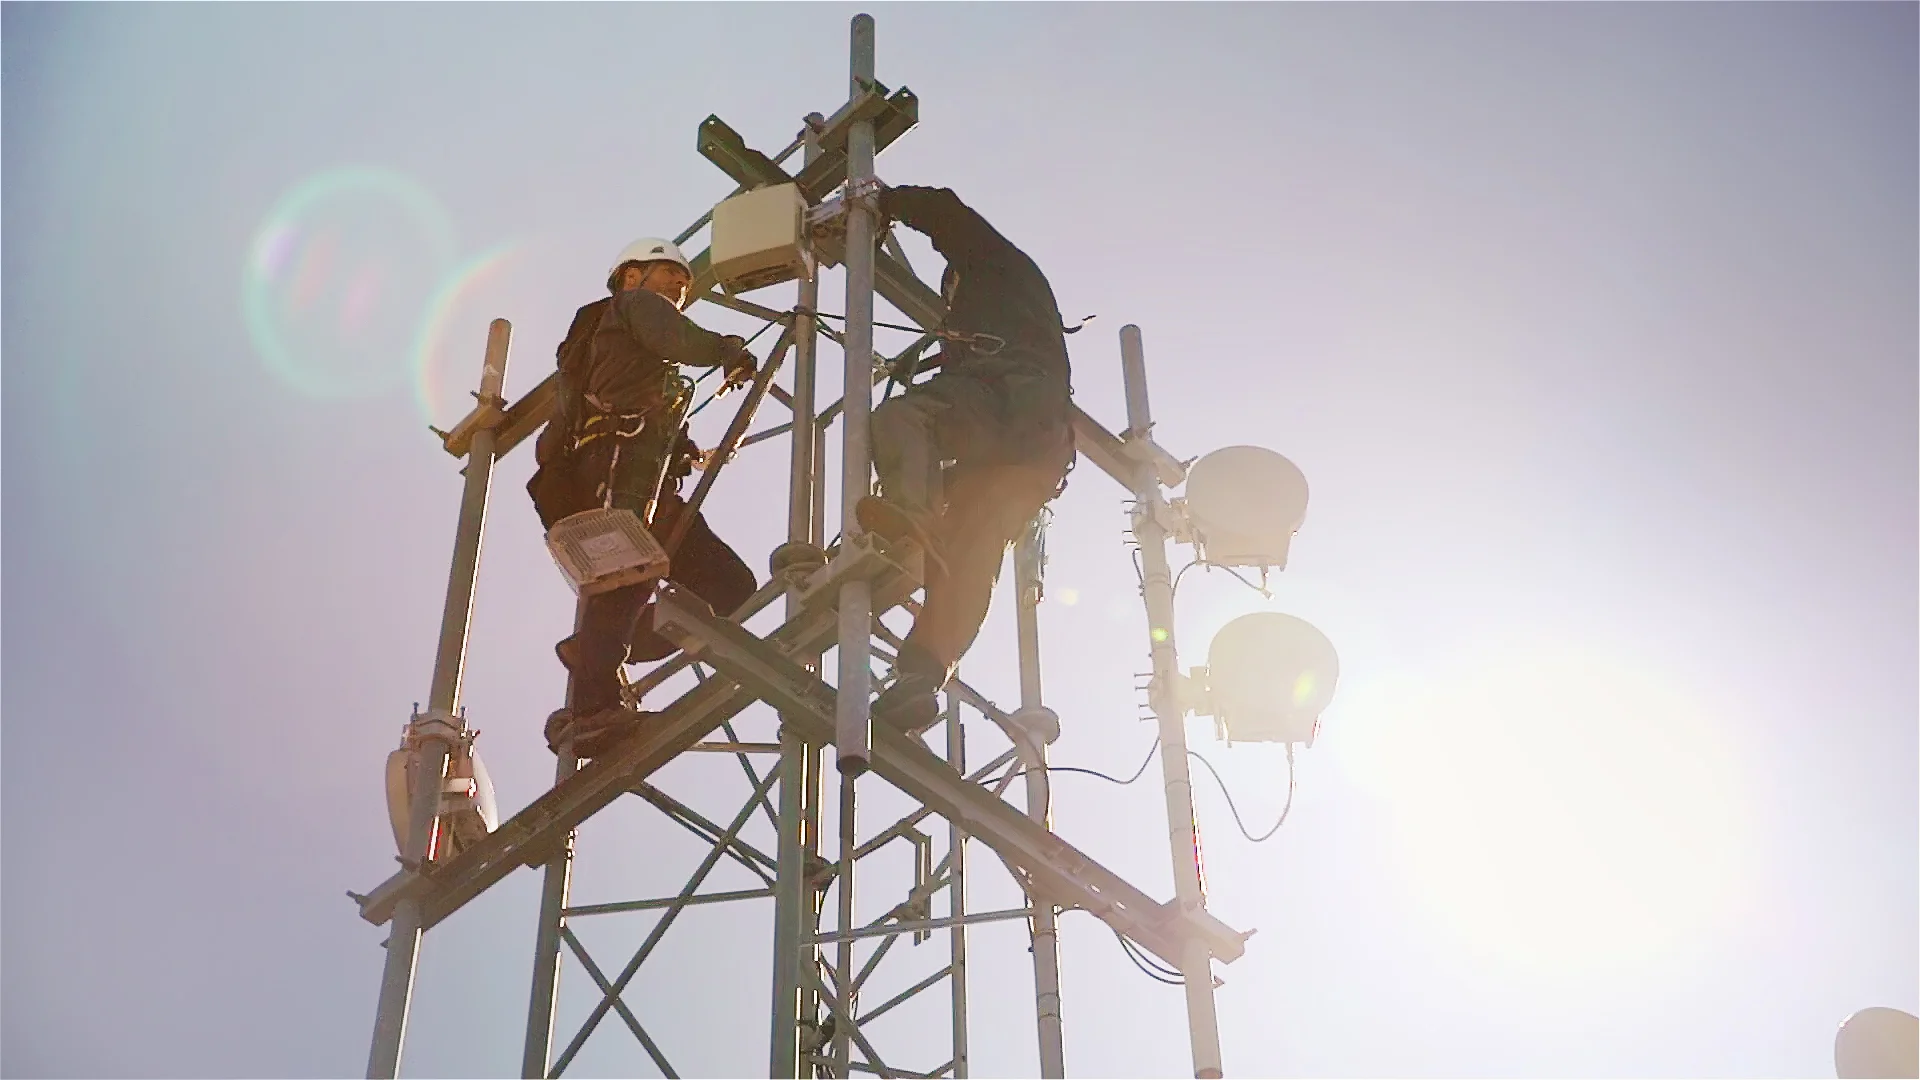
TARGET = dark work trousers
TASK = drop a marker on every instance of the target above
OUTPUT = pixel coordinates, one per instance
(704, 565)
(983, 501)
(618, 625)
(617, 619)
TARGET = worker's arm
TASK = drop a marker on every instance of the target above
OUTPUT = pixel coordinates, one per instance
(654, 322)
(957, 232)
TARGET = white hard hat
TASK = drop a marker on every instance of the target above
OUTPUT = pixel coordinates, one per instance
(651, 249)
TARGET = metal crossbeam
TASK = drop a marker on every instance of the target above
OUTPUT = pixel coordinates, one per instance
(1052, 867)
(892, 115)
(895, 929)
(530, 837)
(657, 904)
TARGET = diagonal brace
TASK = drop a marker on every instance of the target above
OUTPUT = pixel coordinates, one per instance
(1053, 866)
(633, 1022)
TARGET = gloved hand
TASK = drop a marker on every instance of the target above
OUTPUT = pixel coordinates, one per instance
(687, 456)
(741, 364)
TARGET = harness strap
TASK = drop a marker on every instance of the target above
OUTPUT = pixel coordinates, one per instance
(616, 425)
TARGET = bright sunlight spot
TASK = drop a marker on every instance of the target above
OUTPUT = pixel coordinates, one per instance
(1562, 814)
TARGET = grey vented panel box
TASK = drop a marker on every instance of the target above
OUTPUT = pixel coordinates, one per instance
(602, 550)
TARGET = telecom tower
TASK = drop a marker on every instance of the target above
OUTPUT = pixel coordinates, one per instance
(1241, 506)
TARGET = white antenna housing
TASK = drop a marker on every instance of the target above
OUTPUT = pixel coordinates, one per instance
(468, 811)
(1244, 504)
(1269, 675)
(759, 238)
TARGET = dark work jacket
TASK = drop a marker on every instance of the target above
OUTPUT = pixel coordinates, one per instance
(999, 291)
(616, 357)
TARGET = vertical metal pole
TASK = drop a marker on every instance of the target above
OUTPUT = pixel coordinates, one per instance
(555, 886)
(1195, 963)
(1043, 925)
(806, 340)
(792, 899)
(957, 893)
(819, 537)
(856, 461)
(856, 470)
(843, 957)
(449, 662)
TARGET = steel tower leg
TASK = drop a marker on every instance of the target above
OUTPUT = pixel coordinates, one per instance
(1196, 966)
(1043, 926)
(856, 597)
(795, 909)
(957, 893)
(555, 887)
(443, 701)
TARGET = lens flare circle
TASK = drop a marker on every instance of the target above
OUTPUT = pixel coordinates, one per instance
(438, 400)
(337, 277)
(536, 281)
(1558, 814)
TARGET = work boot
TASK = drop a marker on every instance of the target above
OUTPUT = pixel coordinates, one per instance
(595, 733)
(894, 522)
(911, 705)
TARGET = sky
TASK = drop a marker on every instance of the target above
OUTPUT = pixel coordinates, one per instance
(1593, 328)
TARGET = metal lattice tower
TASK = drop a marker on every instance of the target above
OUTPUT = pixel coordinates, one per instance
(833, 600)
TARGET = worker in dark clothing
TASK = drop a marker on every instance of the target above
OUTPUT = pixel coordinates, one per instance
(998, 411)
(617, 438)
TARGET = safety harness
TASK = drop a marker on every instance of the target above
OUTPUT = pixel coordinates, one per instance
(622, 427)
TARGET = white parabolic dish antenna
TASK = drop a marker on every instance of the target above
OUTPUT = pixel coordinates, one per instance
(1877, 1042)
(468, 807)
(1245, 504)
(1269, 676)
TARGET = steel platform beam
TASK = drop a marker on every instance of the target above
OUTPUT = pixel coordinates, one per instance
(530, 837)
(1048, 864)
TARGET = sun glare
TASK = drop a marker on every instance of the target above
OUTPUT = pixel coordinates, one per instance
(1561, 814)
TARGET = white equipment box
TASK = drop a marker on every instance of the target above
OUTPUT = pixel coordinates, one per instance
(759, 238)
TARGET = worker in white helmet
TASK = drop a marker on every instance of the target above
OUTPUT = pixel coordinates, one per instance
(618, 434)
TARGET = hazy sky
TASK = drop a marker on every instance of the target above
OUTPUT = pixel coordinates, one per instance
(1593, 328)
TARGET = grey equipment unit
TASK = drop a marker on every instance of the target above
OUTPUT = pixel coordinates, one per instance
(605, 549)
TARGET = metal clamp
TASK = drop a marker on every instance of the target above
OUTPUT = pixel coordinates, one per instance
(489, 412)
(437, 724)
(865, 191)
(829, 218)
